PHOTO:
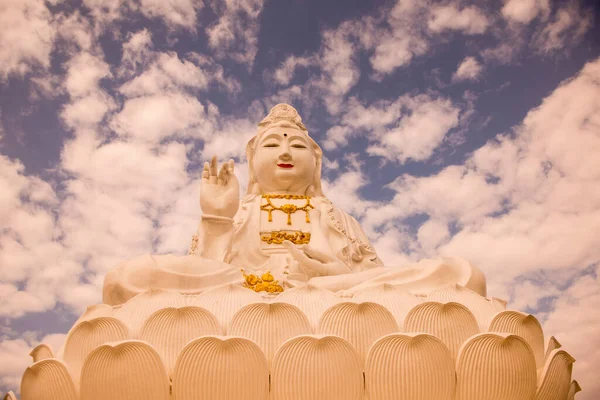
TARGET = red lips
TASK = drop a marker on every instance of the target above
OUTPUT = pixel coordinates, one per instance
(285, 165)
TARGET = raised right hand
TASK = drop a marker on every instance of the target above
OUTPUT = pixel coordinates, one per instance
(219, 193)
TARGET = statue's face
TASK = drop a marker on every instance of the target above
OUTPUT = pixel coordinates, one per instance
(284, 161)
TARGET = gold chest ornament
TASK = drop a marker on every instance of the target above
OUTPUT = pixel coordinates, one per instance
(278, 236)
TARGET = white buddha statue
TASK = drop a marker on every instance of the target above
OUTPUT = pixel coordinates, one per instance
(283, 233)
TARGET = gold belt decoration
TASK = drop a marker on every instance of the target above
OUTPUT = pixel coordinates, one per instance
(266, 283)
(277, 237)
(289, 209)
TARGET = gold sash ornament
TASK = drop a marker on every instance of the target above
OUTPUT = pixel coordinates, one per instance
(266, 283)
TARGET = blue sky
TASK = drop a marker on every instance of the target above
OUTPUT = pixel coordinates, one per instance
(449, 127)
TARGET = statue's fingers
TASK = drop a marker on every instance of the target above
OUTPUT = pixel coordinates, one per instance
(205, 171)
(213, 170)
(231, 165)
(302, 257)
(223, 174)
(315, 254)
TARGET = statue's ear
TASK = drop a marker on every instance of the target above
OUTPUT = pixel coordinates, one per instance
(315, 188)
(252, 189)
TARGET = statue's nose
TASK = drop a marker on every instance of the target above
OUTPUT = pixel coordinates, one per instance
(285, 151)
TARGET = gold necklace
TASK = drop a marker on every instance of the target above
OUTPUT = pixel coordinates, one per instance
(289, 209)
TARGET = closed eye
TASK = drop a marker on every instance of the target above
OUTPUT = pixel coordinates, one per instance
(298, 146)
(271, 145)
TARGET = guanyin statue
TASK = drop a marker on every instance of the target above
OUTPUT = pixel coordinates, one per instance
(282, 297)
(284, 228)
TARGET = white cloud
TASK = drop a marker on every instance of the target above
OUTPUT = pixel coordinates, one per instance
(136, 52)
(235, 34)
(337, 61)
(105, 12)
(567, 27)
(402, 41)
(469, 69)
(524, 11)
(156, 117)
(166, 73)
(26, 36)
(285, 72)
(84, 72)
(520, 204)
(469, 20)
(419, 133)
(174, 13)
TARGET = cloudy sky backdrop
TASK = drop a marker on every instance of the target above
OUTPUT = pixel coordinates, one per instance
(449, 127)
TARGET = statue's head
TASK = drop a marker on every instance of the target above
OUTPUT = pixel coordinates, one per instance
(282, 156)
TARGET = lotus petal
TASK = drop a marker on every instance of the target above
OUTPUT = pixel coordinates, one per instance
(498, 304)
(409, 366)
(524, 325)
(318, 368)
(312, 300)
(574, 389)
(269, 325)
(225, 301)
(452, 323)
(48, 379)
(494, 366)
(556, 376)
(130, 370)
(170, 329)
(482, 309)
(221, 368)
(10, 396)
(137, 309)
(551, 345)
(359, 323)
(96, 311)
(397, 301)
(41, 352)
(88, 335)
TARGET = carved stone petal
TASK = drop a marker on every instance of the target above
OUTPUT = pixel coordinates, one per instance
(312, 300)
(10, 396)
(359, 323)
(221, 368)
(137, 309)
(96, 311)
(495, 366)
(573, 390)
(452, 323)
(269, 325)
(498, 304)
(170, 329)
(88, 335)
(551, 345)
(524, 325)
(225, 301)
(409, 366)
(482, 309)
(129, 370)
(318, 368)
(556, 377)
(41, 352)
(48, 379)
(396, 300)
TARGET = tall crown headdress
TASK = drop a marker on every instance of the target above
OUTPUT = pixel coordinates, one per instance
(283, 112)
